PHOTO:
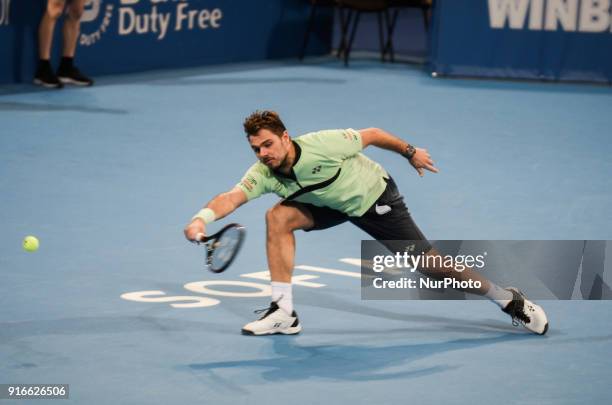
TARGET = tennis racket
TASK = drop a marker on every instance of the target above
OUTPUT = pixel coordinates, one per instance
(222, 247)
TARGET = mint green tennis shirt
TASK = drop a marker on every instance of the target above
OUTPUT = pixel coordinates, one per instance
(330, 166)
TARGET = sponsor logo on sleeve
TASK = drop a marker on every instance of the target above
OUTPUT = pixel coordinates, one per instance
(349, 136)
(249, 183)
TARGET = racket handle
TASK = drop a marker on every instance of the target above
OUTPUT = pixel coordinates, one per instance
(200, 237)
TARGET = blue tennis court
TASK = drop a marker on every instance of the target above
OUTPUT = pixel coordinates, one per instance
(106, 177)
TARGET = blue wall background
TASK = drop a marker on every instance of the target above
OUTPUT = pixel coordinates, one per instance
(465, 42)
(110, 41)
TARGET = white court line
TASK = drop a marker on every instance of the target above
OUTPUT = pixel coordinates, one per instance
(367, 264)
(295, 280)
(351, 261)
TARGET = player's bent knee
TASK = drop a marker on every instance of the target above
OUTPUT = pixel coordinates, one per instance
(284, 218)
(272, 216)
(277, 219)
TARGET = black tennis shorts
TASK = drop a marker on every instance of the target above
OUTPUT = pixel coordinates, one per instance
(387, 220)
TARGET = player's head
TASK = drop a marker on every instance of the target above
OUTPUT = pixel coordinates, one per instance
(268, 137)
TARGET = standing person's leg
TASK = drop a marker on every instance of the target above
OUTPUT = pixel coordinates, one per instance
(282, 221)
(67, 72)
(72, 27)
(52, 13)
(44, 73)
(396, 225)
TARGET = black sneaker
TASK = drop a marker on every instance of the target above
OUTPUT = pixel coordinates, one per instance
(72, 75)
(45, 76)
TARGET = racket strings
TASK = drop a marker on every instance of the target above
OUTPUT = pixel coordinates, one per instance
(225, 247)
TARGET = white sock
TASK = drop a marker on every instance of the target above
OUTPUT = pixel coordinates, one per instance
(499, 295)
(281, 294)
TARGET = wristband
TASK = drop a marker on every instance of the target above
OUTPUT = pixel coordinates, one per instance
(205, 214)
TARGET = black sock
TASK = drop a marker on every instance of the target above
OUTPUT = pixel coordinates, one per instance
(66, 62)
(44, 63)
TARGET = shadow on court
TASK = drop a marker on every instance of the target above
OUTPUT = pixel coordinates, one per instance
(37, 107)
(10, 331)
(335, 303)
(350, 362)
(242, 81)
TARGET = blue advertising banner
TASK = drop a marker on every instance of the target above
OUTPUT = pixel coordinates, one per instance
(119, 36)
(533, 39)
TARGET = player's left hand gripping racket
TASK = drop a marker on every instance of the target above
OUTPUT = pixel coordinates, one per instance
(222, 247)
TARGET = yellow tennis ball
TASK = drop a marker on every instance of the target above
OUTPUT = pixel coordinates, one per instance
(30, 244)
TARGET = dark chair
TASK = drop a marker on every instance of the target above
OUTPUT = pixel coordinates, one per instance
(396, 6)
(314, 5)
(353, 10)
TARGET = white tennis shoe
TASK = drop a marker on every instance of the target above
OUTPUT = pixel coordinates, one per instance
(274, 321)
(526, 313)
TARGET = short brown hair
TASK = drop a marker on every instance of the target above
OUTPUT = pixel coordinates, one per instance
(265, 119)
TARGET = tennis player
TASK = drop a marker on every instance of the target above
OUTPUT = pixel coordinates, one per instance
(325, 180)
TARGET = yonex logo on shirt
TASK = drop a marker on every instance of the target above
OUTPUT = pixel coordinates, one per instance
(316, 169)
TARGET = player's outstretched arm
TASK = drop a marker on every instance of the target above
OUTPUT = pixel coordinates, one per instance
(419, 158)
(219, 207)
